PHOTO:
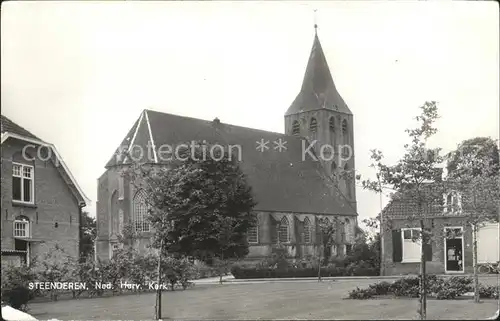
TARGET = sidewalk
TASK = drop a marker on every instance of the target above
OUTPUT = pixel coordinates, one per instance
(231, 279)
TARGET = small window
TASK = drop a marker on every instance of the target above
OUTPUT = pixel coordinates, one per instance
(22, 183)
(314, 125)
(295, 128)
(453, 202)
(411, 245)
(331, 123)
(21, 227)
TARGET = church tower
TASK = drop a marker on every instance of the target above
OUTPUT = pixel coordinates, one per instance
(320, 115)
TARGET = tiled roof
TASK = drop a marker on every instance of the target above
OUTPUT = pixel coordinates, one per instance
(281, 181)
(318, 89)
(405, 206)
(8, 125)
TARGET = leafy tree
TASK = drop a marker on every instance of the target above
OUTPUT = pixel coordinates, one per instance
(89, 233)
(472, 156)
(191, 198)
(415, 178)
(474, 173)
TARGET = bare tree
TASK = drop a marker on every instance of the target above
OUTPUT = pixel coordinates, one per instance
(415, 178)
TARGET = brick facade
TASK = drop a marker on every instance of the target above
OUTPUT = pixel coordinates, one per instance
(54, 216)
(437, 264)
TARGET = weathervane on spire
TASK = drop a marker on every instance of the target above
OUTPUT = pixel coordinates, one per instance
(315, 21)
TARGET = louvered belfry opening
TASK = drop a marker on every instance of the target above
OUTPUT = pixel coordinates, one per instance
(314, 125)
(295, 128)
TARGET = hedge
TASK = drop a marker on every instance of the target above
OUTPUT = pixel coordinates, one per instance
(258, 273)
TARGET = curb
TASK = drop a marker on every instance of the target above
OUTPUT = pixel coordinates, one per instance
(329, 278)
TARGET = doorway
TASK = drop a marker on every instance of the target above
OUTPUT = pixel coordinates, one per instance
(454, 250)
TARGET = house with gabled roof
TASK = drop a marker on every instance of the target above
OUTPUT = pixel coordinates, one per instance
(294, 175)
(41, 201)
(450, 248)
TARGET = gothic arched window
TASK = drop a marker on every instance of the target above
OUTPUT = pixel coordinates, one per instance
(284, 231)
(331, 123)
(313, 126)
(307, 230)
(140, 212)
(295, 128)
(253, 233)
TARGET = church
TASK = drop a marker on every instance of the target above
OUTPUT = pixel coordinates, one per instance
(294, 176)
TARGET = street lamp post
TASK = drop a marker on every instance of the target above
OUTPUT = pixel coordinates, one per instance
(382, 252)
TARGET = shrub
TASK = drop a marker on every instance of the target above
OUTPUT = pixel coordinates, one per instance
(55, 265)
(451, 288)
(406, 287)
(203, 270)
(460, 283)
(178, 271)
(381, 288)
(362, 294)
(446, 293)
(329, 271)
(441, 288)
(15, 290)
(488, 291)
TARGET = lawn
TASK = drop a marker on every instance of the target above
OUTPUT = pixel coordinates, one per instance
(284, 300)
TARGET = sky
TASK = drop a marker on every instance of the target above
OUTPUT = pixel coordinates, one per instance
(78, 74)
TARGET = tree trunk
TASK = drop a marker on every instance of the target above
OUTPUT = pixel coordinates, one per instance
(423, 286)
(158, 291)
(319, 264)
(474, 263)
(221, 266)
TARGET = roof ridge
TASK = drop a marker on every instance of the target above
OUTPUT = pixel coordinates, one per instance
(223, 124)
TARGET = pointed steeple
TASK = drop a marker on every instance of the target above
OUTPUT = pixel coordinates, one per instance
(318, 89)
